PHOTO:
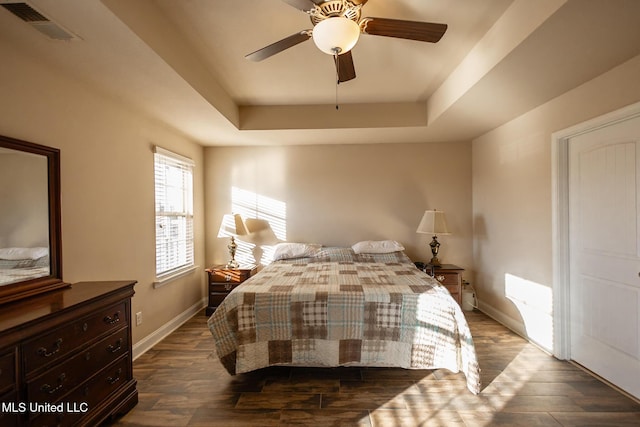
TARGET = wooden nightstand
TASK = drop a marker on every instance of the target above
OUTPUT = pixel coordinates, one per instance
(223, 280)
(450, 276)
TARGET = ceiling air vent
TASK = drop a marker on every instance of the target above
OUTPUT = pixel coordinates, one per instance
(38, 21)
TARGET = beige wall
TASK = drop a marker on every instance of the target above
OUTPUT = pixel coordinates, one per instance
(107, 182)
(25, 200)
(512, 191)
(341, 194)
(500, 215)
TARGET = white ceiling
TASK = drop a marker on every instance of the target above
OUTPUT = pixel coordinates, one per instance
(182, 62)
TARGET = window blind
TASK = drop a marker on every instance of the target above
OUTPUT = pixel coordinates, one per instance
(174, 211)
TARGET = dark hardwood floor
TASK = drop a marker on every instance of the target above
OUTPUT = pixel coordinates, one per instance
(182, 384)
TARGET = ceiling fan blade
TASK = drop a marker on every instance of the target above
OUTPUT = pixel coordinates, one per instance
(345, 67)
(279, 46)
(412, 30)
(303, 5)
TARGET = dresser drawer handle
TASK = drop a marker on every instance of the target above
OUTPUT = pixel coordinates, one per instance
(228, 286)
(440, 278)
(227, 277)
(113, 380)
(112, 320)
(42, 351)
(115, 348)
(46, 388)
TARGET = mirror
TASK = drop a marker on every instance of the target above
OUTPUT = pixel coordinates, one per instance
(30, 243)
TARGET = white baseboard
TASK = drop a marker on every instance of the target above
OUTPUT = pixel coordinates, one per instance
(512, 324)
(500, 317)
(159, 334)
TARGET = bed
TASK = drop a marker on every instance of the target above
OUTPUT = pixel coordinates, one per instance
(18, 264)
(342, 308)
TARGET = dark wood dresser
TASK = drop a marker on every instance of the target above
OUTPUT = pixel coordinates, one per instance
(65, 356)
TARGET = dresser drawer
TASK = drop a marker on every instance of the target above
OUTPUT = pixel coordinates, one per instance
(60, 341)
(90, 394)
(228, 276)
(9, 415)
(58, 381)
(7, 371)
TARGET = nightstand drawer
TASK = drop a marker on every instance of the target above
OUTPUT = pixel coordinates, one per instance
(447, 278)
(216, 299)
(453, 290)
(228, 276)
(450, 276)
(223, 287)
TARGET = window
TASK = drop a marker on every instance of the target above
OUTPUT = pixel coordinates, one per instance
(174, 212)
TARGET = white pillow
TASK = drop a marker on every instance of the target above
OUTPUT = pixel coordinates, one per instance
(23, 253)
(377, 247)
(295, 250)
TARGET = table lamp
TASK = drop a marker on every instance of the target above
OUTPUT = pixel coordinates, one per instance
(232, 225)
(433, 222)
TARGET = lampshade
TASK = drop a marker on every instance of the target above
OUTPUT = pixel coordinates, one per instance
(336, 35)
(260, 232)
(433, 222)
(232, 225)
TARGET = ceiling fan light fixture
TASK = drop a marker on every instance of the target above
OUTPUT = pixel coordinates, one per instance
(336, 35)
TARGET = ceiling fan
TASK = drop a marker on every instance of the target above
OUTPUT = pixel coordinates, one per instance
(337, 26)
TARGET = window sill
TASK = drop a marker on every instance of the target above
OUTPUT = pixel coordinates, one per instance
(168, 278)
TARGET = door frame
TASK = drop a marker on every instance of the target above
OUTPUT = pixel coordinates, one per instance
(560, 221)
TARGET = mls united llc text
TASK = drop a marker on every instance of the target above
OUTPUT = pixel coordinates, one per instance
(35, 407)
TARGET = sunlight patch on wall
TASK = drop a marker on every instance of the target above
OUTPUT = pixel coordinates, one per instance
(535, 304)
(251, 205)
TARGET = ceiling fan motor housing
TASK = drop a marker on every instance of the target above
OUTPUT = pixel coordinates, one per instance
(335, 8)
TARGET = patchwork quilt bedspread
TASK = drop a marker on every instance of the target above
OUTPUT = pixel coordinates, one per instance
(327, 313)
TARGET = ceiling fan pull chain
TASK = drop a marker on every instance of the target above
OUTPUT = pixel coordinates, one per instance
(335, 58)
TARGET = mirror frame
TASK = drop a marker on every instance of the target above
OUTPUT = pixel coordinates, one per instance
(30, 287)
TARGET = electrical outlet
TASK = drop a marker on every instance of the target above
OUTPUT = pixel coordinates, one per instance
(138, 318)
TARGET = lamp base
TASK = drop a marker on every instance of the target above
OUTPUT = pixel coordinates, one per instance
(232, 251)
(232, 264)
(435, 247)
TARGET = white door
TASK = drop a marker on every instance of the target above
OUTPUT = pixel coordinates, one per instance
(604, 230)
